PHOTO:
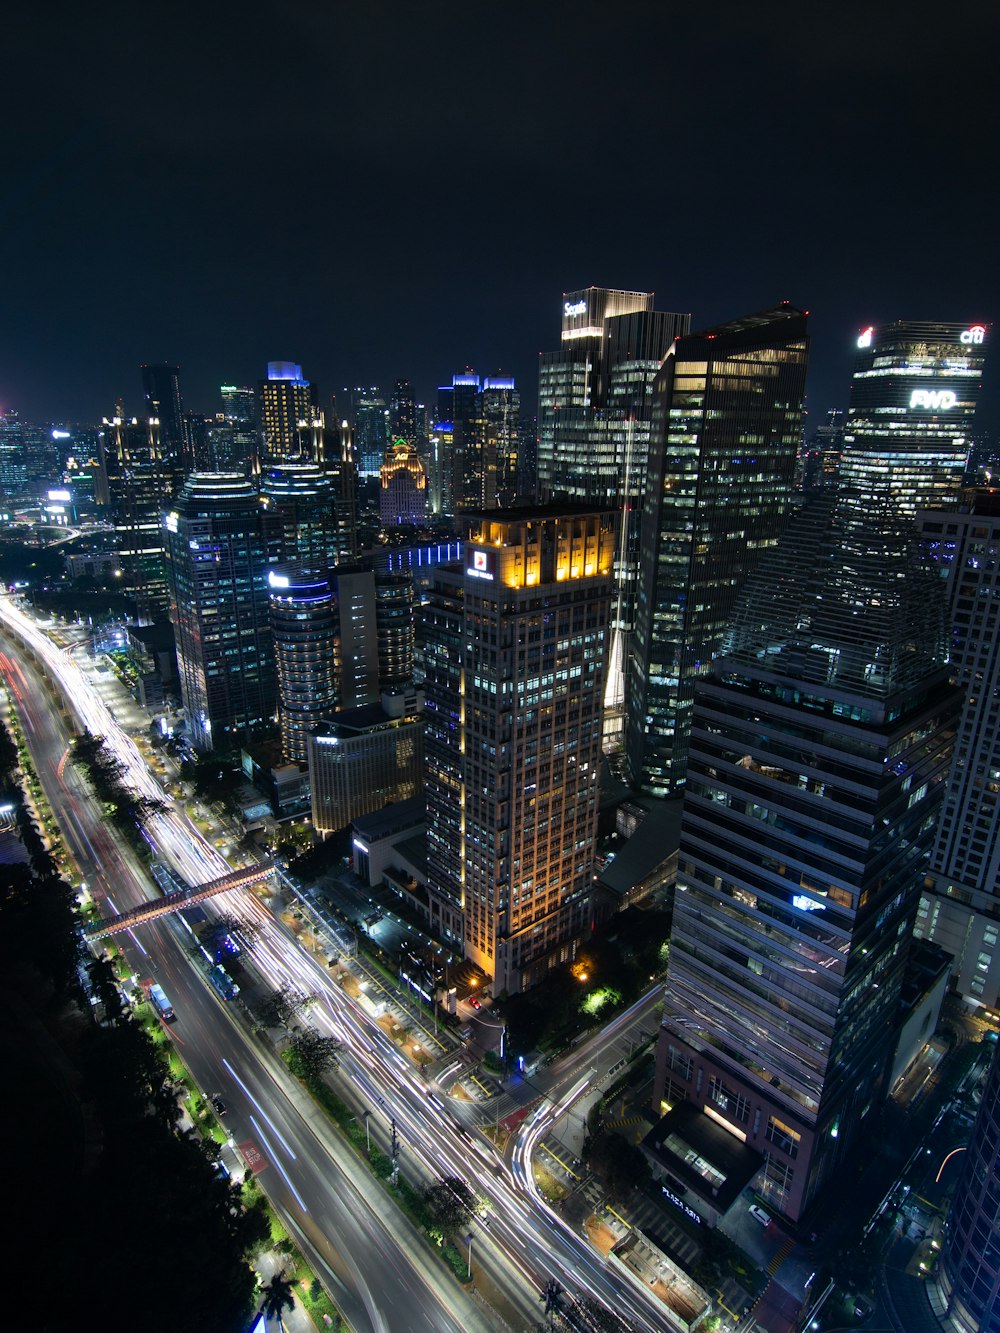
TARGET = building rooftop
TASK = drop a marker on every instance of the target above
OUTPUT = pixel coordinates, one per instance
(391, 819)
(702, 1156)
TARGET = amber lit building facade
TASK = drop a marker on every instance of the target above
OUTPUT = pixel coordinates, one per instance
(513, 647)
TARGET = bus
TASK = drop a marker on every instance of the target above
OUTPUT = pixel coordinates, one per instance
(160, 1002)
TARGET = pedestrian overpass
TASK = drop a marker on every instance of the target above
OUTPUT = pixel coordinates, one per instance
(173, 902)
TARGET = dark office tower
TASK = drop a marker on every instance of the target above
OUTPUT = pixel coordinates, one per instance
(501, 416)
(134, 483)
(218, 556)
(284, 399)
(527, 460)
(239, 405)
(913, 398)
(594, 407)
(300, 514)
(960, 905)
(969, 1277)
(303, 612)
(161, 393)
(394, 599)
(402, 412)
(721, 473)
(371, 430)
(403, 489)
(513, 646)
(819, 748)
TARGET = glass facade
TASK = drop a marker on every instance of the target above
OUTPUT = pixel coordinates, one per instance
(727, 427)
(971, 1256)
(913, 398)
(819, 747)
(513, 646)
(218, 555)
(960, 906)
(303, 613)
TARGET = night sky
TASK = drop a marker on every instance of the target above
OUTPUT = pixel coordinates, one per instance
(380, 190)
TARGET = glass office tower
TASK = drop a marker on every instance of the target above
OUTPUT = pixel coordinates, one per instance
(218, 554)
(970, 1267)
(595, 397)
(819, 748)
(913, 397)
(727, 426)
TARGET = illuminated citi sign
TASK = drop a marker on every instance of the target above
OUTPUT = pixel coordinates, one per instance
(974, 336)
(483, 566)
(572, 308)
(865, 336)
(933, 400)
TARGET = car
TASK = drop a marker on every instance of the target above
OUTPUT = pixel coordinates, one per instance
(759, 1215)
(218, 1103)
(476, 1004)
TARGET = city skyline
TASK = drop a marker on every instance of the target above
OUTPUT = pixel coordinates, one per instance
(143, 227)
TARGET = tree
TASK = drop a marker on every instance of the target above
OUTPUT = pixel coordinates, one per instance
(278, 1294)
(311, 1055)
(280, 1006)
(619, 1164)
(450, 1203)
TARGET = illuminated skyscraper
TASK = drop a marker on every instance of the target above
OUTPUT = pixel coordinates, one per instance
(239, 405)
(218, 555)
(371, 429)
(301, 508)
(303, 613)
(819, 748)
(284, 399)
(594, 411)
(402, 412)
(728, 422)
(513, 646)
(913, 398)
(135, 482)
(403, 493)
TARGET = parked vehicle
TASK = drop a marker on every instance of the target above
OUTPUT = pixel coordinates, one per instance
(223, 983)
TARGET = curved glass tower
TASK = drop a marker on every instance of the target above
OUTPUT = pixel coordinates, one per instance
(970, 1268)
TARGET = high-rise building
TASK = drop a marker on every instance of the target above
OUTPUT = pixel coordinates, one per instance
(960, 905)
(969, 1276)
(218, 556)
(304, 627)
(594, 420)
(403, 492)
(161, 394)
(403, 412)
(720, 476)
(239, 404)
(301, 511)
(371, 429)
(394, 602)
(362, 759)
(819, 748)
(513, 648)
(284, 400)
(135, 482)
(913, 398)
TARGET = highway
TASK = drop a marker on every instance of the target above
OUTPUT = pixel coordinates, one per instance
(360, 1244)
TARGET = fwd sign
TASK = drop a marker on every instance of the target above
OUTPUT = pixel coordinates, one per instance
(933, 399)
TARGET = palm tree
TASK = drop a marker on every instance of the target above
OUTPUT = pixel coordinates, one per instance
(278, 1295)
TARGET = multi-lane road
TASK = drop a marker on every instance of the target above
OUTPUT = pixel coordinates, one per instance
(379, 1270)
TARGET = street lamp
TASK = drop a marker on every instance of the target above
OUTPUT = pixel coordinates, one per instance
(469, 1239)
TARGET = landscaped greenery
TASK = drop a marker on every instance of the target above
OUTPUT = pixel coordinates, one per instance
(612, 971)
